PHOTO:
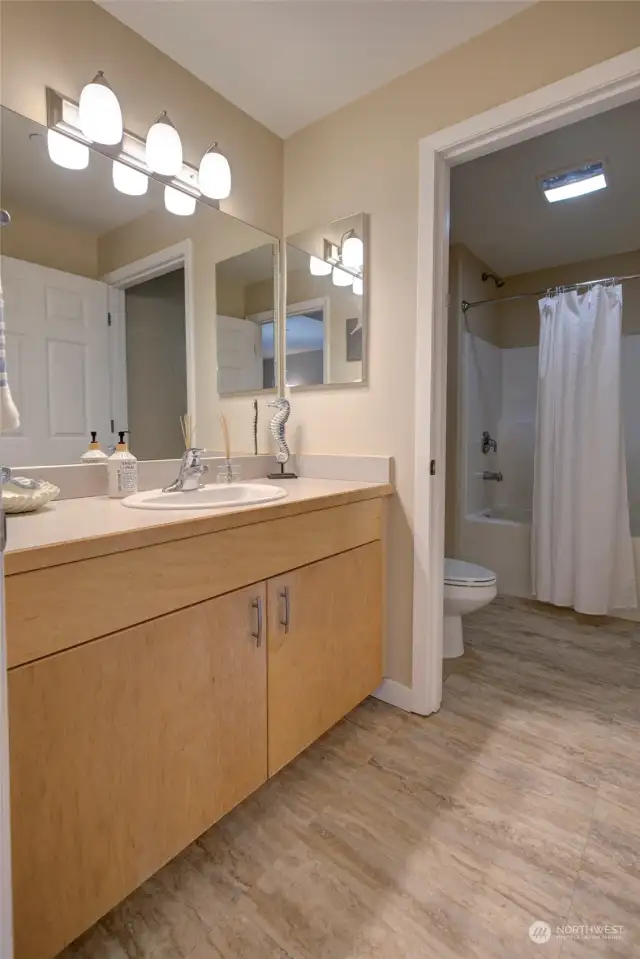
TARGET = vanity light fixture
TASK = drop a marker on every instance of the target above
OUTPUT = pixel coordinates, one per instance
(178, 202)
(341, 278)
(128, 180)
(69, 147)
(164, 147)
(67, 152)
(352, 251)
(99, 112)
(214, 175)
(576, 182)
(358, 286)
(318, 267)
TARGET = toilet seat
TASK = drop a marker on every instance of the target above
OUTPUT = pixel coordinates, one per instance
(459, 573)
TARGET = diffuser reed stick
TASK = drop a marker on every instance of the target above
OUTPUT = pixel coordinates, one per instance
(226, 437)
(188, 427)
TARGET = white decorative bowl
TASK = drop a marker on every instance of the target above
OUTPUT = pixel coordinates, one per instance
(21, 495)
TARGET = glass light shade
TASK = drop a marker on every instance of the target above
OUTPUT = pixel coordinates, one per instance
(340, 278)
(164, 147)
(99, 112)
(129, 181)
(318, 267)
(182, 204)
(358, 285)
(67, 152)
(353, 253)
(214, 175)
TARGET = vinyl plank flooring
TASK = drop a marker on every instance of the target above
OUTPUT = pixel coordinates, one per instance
(400, 837)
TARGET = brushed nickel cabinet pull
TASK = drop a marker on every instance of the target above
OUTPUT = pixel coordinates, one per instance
(286, 621)
(257, 605)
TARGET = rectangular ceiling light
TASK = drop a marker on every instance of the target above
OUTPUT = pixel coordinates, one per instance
(563, 186)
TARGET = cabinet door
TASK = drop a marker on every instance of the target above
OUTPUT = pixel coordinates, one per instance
(329, 656)
(125, 750)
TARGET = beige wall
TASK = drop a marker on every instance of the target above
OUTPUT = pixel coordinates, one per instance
(519, 319)
(49, 243)
(61, 44)
(365, 157)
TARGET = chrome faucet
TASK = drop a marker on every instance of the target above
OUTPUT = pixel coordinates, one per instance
(190, 473)
(488, 475)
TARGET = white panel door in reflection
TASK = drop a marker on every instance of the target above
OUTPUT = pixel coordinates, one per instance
(58, 363)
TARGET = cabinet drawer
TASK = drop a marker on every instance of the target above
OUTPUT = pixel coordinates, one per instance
(56, 608)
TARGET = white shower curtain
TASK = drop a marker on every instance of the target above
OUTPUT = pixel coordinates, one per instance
(582, 554)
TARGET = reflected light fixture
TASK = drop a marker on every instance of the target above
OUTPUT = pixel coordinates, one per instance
(182, 204)
(352, 251)
(214, 175)
(164, 147)
(99, 112)
(341, 278)
(128, 180)
(66, 152)
(572, 183)
(318, 267)
(358, 285)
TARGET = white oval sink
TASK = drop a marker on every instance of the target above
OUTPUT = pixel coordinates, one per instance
(207, 497)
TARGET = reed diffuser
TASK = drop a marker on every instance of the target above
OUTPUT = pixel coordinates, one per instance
(229, 472)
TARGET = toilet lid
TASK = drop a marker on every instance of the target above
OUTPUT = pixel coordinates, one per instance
(459, 573)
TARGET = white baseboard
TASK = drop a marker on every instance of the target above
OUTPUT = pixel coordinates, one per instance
(396, 694)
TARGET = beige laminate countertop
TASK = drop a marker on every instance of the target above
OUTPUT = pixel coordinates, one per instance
(75, 529)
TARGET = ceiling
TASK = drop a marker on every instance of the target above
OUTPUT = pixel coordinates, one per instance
(499, 211)
(289, 63)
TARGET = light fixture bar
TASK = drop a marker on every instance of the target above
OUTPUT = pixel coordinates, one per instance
(332, 255)
(63, 115)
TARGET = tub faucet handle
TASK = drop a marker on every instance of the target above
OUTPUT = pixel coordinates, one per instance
(488, 443)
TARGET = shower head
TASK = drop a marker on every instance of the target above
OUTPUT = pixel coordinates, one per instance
(496, 279)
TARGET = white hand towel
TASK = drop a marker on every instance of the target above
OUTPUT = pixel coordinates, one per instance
(9, 416)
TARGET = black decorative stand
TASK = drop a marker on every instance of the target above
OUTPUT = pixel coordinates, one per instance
(282, 474)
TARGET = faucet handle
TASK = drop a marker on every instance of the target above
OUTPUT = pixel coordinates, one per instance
(191, 459)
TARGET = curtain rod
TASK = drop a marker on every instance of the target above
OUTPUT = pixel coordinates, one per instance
(567, 286)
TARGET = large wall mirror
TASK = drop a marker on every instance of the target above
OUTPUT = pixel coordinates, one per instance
(120, 314)
(327, 302)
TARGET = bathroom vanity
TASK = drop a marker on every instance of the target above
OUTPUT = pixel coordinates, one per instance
(161, 668)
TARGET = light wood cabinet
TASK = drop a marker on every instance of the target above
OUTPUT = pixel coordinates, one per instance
(153, 689)
(324, 653)
(123, 751)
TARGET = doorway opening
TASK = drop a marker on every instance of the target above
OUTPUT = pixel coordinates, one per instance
(598, 89)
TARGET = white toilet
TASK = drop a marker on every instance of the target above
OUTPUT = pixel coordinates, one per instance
(467, 587)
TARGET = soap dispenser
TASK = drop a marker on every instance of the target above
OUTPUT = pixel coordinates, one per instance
(122, 470)
(94, 454)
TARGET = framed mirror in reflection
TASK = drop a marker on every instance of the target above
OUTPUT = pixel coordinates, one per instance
(120, 314)
(327, 304)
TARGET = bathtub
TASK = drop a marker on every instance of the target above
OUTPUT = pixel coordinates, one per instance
(500, 539)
